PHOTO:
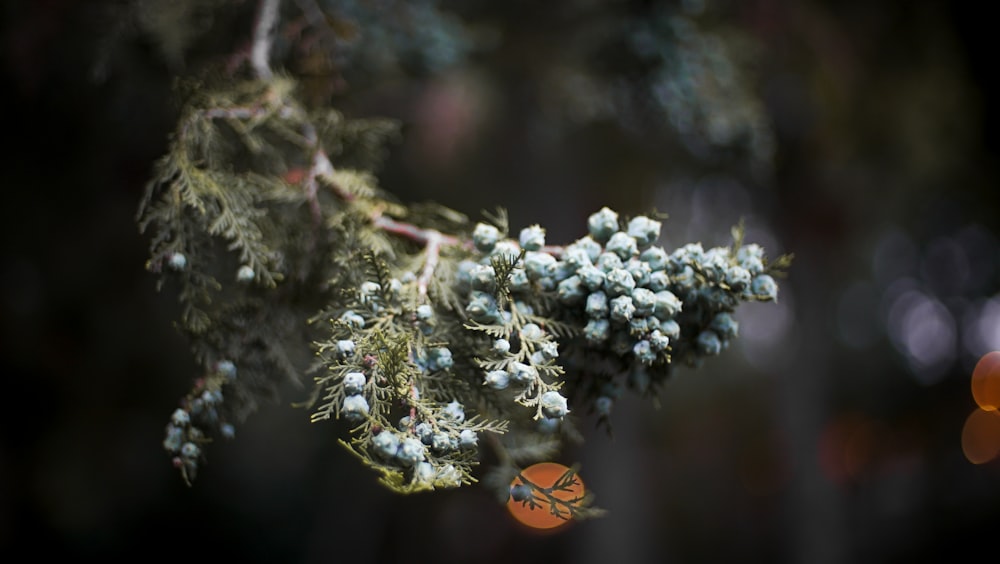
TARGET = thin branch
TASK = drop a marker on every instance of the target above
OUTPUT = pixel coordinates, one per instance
(260, 52)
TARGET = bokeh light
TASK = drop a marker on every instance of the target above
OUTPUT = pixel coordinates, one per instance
(923, 330)
(981, 436)
(544, 475)
(986, 382)
(981, 327)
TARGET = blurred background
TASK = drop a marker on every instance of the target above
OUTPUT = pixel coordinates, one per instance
(839, 428)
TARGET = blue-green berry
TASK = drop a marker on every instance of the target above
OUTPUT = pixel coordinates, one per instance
(622, 245)
(684, 280)
(180, 417)
(667, 305)
(643, 351)
(395, 286)
(440, 442)
(485, 237)
(506, 249)
(482, 307)
(197, 406)
(561, 270)
(622, 309)
(245, 274)
(501, 346)
(190, 450)
(576, 257)
(483, 278)
(211, 397)
(518, 280)
(354, 383)
(524, 308)
(423, 473)
(522, 373)
(603, 405)
(532, 238)
(440, 358)
(751, 257)
(609, 261)
(355, 407)
(468, 439)
(597, 330)
(671, 329)
(655, 257)
(725, 325)
(658, 281)
(520, 492)
(538, 264)
(737, 278)
(597, 305)
(425, 312)
(345, 348)
(369, 289)
(497, 379)
(410, 452)
(352, 319)
(227, 430)
(658, 342)
(586, 244)
(603, 224)
(644, 300)
(549, 350)
(174, 438)
(227, 369)
(454, 412)
(553, 405)
(618, 282)
(764, 287)
(644, 230)
(386, 444)
(591, 277)
(425, 432)
(177, 261)
(548, 425)
(462, 277)
(639, 270)
(571, 290)
(690, 254)
(709, 343)
(531, 332)
(642, 325)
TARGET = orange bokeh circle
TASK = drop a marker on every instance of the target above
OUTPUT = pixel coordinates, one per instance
(981, 436)
(986, 382)
(544, 475)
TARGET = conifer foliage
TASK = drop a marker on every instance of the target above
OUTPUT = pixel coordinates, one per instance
(433, 340)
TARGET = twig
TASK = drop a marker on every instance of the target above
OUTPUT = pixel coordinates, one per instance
(260, 51)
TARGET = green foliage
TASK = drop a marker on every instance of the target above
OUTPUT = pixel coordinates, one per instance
(438, 342)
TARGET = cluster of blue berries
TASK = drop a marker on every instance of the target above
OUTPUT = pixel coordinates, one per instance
(498, 327)
(625, 297)
(434, 445)
(199, 416)
(430, 448)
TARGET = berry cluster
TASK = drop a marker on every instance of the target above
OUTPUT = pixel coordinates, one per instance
(613, 293)
(391, 378)
(199, 417)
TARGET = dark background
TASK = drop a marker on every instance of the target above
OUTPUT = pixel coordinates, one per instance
(828, 434)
